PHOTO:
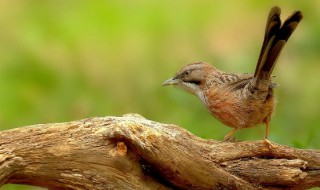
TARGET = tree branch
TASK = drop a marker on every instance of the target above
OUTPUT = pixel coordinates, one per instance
(131, 152)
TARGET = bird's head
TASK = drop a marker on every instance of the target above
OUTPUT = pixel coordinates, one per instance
(191, 77)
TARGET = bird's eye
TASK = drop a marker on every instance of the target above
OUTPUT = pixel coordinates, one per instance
(186, 73)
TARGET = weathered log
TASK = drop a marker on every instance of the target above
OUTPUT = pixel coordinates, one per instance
(131, 152)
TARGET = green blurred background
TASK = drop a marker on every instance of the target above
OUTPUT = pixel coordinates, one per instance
(69, 60)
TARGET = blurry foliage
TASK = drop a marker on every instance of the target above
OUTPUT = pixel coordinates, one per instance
(68, 60)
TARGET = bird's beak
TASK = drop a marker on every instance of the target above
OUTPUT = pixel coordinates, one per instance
(172, 81)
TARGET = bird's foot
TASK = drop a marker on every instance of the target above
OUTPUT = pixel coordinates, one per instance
(232, 139)
(269, 144)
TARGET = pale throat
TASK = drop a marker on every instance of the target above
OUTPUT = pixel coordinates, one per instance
(194, 89)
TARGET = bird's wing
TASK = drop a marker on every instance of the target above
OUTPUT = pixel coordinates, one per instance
(236, 81)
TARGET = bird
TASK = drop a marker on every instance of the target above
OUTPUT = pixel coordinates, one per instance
(241, 100)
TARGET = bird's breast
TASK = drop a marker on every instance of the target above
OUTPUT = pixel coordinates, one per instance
(237, 111)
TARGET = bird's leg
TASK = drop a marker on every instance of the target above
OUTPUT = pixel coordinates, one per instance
(267, 121)
(266, 140)
(227, 137)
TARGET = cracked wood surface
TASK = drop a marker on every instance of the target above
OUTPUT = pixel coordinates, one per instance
(131, 152)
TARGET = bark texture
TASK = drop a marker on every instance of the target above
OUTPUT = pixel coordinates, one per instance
(131, 152)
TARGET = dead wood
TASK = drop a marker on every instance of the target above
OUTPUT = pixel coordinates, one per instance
(131, 152)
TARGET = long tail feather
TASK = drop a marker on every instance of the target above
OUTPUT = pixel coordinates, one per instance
(276, 36)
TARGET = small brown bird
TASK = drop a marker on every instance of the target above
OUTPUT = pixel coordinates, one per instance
(241, 100)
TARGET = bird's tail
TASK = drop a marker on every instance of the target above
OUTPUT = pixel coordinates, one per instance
(276, 36)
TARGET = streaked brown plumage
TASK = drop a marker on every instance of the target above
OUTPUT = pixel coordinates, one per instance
(241, 100)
